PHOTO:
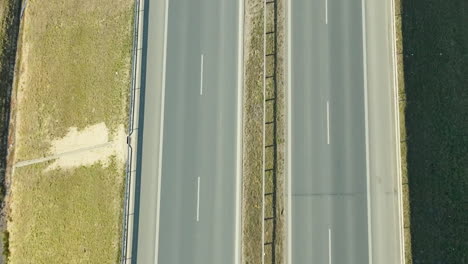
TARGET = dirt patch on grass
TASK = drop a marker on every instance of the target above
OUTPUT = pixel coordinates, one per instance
(71, 85)
(113, 146)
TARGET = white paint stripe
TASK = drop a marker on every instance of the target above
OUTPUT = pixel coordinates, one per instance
(240, 74)
(161, 133)
(366, 110)
(198, 200)
(397, 135)
(289, 135)
(329, 246)
(264, 129)
(201, 76)
(326, 11)
(328, 123)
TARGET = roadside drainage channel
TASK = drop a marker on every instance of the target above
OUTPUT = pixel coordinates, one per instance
(132, 137)
(270, 157)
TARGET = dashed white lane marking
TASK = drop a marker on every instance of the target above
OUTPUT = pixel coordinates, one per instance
(328, 123)
(201, 76)
(329, 246)
(326, 11)
(198, 200)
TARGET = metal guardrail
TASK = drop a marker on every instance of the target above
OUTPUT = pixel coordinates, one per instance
(126, 200)
(270, 60)
(23, 8)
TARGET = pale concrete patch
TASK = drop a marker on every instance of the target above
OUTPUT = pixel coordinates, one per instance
(97, 134)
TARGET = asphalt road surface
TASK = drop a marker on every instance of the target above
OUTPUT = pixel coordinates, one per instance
(343, 165)
(187, 203)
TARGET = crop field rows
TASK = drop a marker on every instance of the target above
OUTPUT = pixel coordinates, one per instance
(435, 45)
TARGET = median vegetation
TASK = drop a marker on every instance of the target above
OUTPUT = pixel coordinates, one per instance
(435, 46)
(263, 188)
(70, 98)
(252, 192)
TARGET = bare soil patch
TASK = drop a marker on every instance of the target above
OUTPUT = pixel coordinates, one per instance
(114, 146)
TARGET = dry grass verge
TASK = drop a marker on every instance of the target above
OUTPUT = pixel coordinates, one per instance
(66, 216)
(252, 133)
(403, 147)
(73, 70)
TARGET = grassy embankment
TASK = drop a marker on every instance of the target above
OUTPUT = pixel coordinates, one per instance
(73, 69)
(9, 17)
(435, 51)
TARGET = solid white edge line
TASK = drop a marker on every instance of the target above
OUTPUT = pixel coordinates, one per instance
(397, 135)
(240, 73)
(329, 246)
(326, 11)
(264, 129)
(201, 75)
(328, 123)
(198, 199)
(366, 107)
(288, 135)
(161, 134)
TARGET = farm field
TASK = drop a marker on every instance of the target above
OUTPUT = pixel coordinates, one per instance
(435, 49)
